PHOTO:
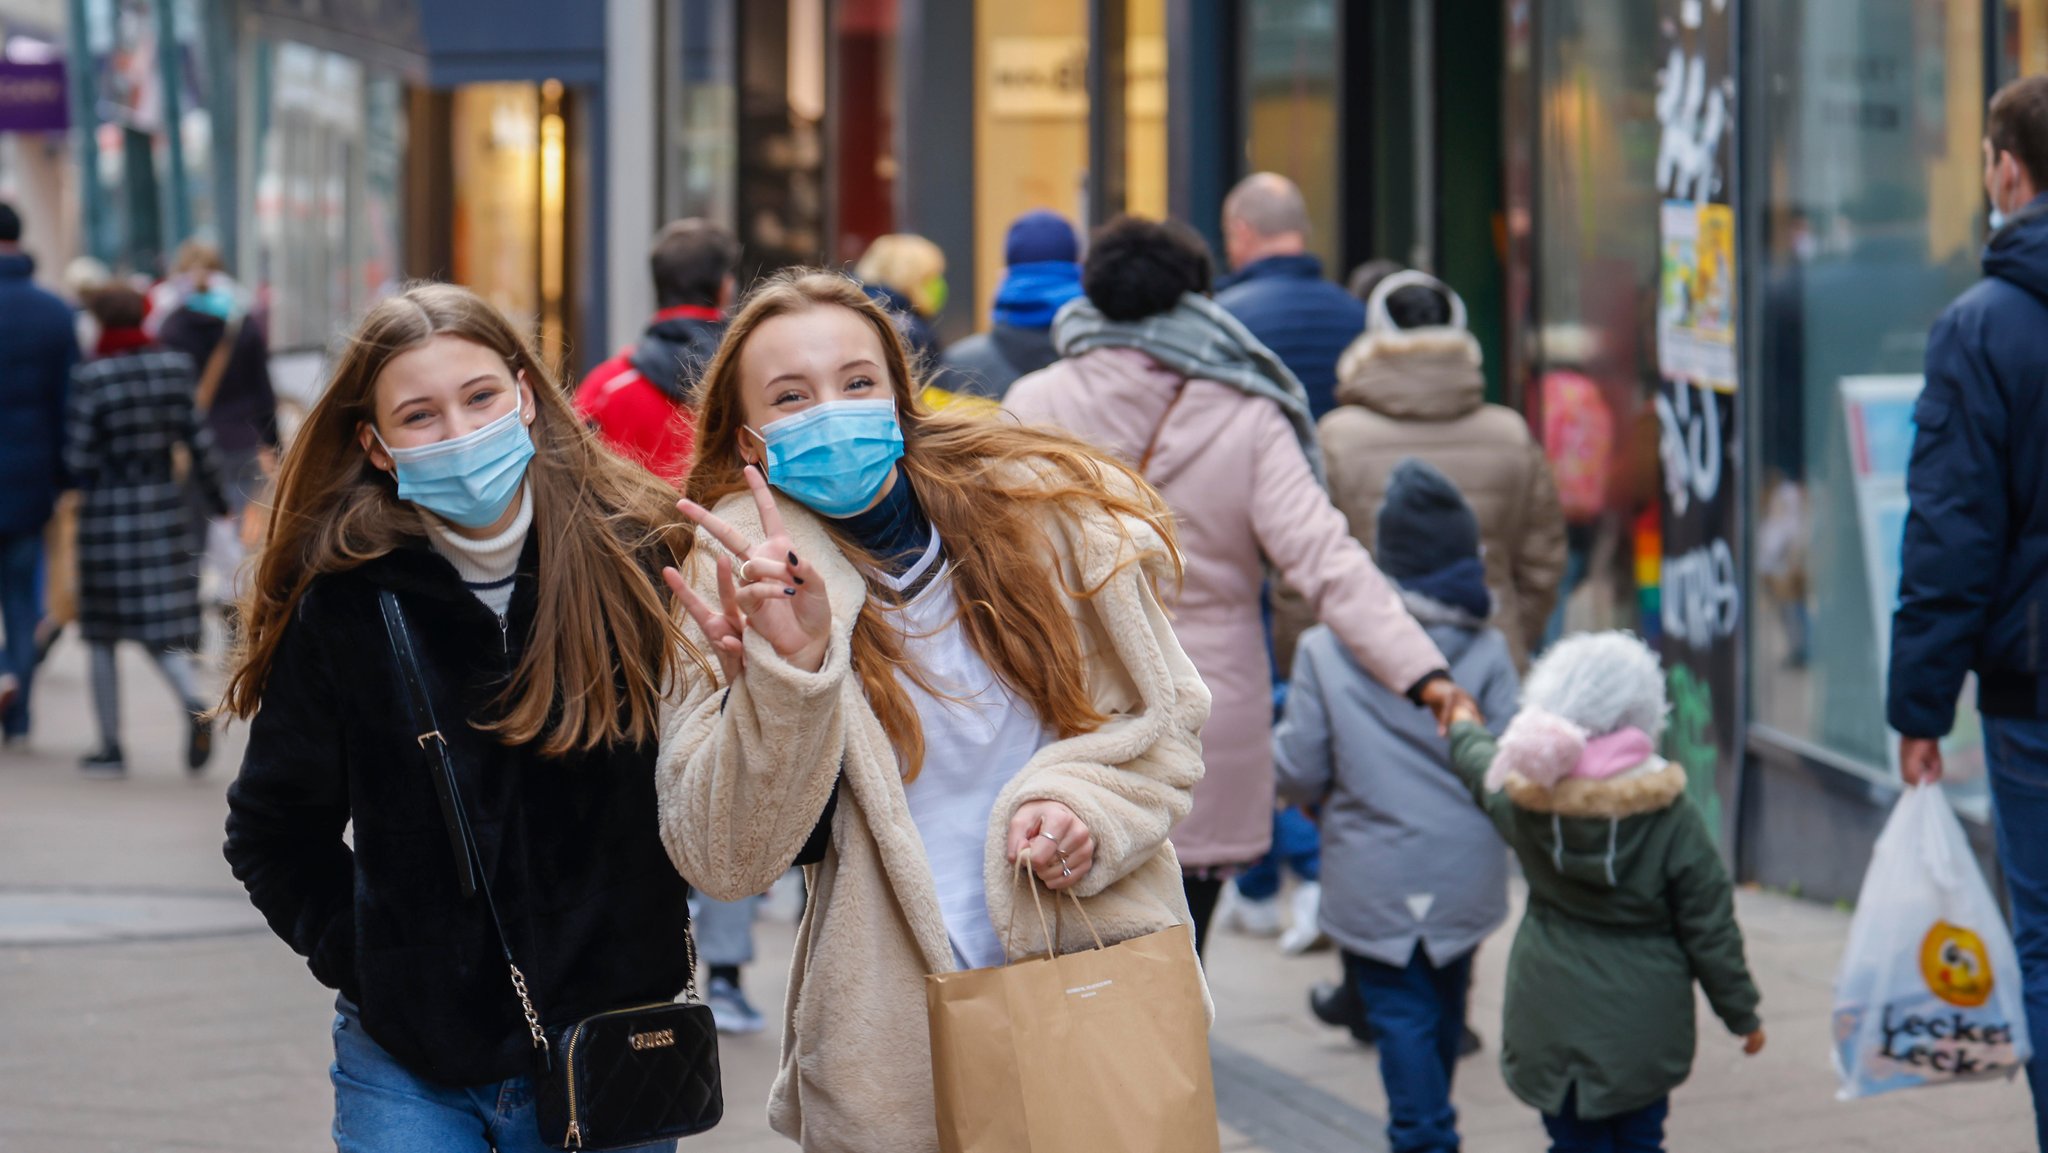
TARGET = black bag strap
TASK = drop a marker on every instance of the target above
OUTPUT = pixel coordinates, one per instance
(469, 867)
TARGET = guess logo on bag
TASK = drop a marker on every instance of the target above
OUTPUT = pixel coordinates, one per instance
(659, 1039)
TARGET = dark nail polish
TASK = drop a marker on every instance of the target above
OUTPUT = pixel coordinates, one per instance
(796, 578)
(789, 592)
(792, 560)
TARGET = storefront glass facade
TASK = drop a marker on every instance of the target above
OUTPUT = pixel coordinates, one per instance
(323, 239)
(1030, 123)
(1590, 208)
(1867, 219)
(1292, 93)
(150, 72)
(1860, 214)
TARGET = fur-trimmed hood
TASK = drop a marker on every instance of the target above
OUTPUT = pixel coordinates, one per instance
(1653, 786)
(1413, 374)
(1598, 832)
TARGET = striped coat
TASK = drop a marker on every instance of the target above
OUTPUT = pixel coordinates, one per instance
(138, 570)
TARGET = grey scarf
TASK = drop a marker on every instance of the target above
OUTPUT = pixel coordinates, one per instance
(1197, 338)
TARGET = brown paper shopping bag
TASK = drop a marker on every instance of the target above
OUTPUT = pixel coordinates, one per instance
(1105, 1050)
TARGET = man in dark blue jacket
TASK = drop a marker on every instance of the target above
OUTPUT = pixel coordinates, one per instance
(1974, 591)
(1278, 289)
(38, 346)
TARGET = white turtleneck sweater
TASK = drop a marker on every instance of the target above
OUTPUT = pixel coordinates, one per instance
(487, 567)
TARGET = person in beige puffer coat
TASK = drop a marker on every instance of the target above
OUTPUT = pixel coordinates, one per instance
(1410, 385)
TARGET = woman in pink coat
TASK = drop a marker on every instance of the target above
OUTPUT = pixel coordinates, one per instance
(1159, 375)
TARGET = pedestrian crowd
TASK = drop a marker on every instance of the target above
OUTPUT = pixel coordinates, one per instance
(1162, 588)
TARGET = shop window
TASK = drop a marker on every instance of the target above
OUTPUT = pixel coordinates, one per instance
(1593, 232)
(1030, 123)
(781, 187)
(2022, 39)
(311, 224)
(1291, 116)
(864, 154)
(495, 132)
(699, 94)
(151, 184)
(1867, 179)
(1144, 128)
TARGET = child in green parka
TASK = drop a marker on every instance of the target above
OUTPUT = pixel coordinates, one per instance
(1624, 883)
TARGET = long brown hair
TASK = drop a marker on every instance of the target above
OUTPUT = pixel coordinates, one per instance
(966, 473)
(605, 643)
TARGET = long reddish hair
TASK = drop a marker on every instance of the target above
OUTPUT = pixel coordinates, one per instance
(605, 642)
(965, 472)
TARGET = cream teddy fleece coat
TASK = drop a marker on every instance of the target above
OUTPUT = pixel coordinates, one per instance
(746, 769)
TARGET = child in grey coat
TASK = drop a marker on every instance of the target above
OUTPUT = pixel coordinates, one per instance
(1414, 878)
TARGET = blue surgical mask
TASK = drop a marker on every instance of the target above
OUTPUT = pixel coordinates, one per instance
(834, 458)
(472, 479)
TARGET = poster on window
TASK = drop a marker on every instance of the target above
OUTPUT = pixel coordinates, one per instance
(1696, 294)
(1877, 416)
(1700, 587)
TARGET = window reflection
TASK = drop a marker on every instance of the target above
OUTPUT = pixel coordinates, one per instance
(1596, 264)
(1291, 108)
(1871, 114)
(1030, 123)
(864, 153)
(781, 188)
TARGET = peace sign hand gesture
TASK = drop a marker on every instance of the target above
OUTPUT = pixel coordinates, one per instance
(769, 590)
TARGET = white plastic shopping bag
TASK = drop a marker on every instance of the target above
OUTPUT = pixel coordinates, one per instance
(1929, 991)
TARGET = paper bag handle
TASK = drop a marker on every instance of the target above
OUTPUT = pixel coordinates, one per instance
(1024, 876)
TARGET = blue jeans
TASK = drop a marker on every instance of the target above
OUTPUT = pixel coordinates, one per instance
(1639, 1132)
(2017, 752)
(21, 606)
(1418, 1014)
(1297, 844)
(379, 1107)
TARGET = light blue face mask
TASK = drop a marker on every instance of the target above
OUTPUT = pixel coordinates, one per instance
(836, 457)
(472, 479)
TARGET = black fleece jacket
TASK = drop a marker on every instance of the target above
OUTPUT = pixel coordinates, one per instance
(595, 911)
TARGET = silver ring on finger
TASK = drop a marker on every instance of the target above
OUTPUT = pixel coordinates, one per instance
(1055, 840)
(741, 572)
(1064, 871)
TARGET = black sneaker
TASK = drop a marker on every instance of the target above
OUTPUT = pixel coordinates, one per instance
(1339, 1005)
(105, 763)
(199, 745)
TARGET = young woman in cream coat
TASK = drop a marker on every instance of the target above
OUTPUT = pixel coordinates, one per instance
(941, 648)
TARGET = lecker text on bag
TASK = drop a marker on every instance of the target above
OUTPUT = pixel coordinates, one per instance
(1929, 992)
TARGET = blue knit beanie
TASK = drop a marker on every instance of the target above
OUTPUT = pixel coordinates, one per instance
(1424, 525)
(1040, 236)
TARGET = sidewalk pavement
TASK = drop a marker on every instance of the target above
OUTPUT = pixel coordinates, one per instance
(147, 1008)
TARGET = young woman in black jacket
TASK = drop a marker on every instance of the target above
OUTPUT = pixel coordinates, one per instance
(445, 465)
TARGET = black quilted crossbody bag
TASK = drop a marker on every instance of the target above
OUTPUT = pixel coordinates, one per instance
(613, 1080)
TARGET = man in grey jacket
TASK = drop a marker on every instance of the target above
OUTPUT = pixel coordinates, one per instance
(1413, 875)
